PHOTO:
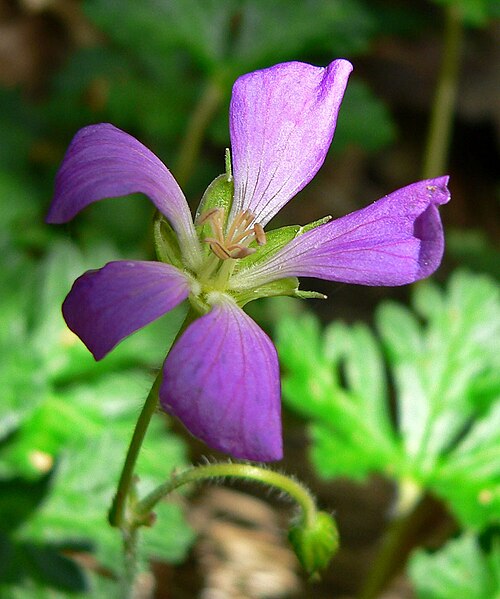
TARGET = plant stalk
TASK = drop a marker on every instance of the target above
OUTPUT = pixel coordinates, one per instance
(203, 113)
(439, 134)
(397, 544)
(246, 471)
(121, 513)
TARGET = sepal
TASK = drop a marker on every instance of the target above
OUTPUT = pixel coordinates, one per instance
(275, 240)
(282, 287)
(218, 195)
(166, 242)
(315, 543)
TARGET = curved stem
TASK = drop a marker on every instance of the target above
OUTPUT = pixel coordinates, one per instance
(203, 113)
(438, 139)
(247, 471)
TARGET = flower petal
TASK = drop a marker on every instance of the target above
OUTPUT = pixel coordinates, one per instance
(282, 121)
(104, 306)
(221, 379)
(105, 162)
(395, 241)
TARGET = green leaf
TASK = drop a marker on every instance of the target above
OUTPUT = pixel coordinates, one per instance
(444, 364)
(436, 376)
(460, 569)
(84, 484)
(469, 475)
(351, 427)
(23, 379)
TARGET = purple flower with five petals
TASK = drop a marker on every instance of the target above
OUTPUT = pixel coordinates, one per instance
(221, 378)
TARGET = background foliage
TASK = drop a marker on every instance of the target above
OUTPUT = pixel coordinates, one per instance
(415, 399)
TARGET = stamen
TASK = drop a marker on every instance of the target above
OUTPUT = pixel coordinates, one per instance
(260, 235)
(217, 248)
(240, 251)
(233, 244)
(206, 216)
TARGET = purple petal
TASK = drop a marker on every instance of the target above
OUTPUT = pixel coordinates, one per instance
(395, 241)
(221, 379)
(282, 121)
(106, 305)
(105, 162)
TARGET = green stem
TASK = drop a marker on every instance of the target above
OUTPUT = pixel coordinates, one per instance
(397, 543)
(122, 512)
(203, 113)
(117, 514)
(439, 134)
(130, 559)
(262, 475)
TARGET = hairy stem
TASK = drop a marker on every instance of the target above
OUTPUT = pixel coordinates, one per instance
(439, 134)
(130, 563)
(121, 513)
(246, 471)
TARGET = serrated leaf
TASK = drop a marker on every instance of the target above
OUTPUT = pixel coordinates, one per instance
(460, 569)
(445, 371)
(83, 487)
(435, 378)
(469, 476)
(347, 421)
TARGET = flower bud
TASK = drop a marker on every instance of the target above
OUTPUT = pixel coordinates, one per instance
(316, 543)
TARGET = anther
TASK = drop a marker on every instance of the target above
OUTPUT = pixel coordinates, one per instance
(217, 248)
(240, 251)
(206, 216)
(260, 236)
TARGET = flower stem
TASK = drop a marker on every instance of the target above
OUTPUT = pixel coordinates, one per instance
(439, 134)
(121, 513)
(201, 116)
(117, 513)
(247, 471)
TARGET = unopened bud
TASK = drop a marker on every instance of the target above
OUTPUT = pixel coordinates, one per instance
(315, 544)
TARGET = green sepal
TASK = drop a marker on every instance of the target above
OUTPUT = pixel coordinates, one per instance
(288, 286)
(315, 543)
(166, 242)
(282, 287)
(275, 240)
(219, 194)
(309, 294)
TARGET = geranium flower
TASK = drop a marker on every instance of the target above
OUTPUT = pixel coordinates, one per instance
(221, 378)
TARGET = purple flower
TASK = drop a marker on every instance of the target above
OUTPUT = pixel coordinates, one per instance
(221, 378)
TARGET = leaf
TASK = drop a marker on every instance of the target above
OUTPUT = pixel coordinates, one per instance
(23, 381)
(460, 569)
(469, 476)
(82, 489)
(444, 364)
(346, 422)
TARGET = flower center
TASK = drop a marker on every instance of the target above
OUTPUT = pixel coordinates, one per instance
(234, 242)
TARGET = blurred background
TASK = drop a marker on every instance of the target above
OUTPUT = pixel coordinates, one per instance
(162, 70)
